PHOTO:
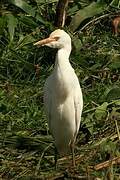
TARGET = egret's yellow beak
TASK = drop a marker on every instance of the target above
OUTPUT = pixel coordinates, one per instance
(45, 41)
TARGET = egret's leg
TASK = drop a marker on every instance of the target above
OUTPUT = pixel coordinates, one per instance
(73, 154)
(56, 156)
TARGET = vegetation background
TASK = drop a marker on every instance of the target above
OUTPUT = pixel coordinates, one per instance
(26, 148)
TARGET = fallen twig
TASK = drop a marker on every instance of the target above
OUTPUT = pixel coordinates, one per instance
(117, 128)
(78, 177)
(53, 176)
(105, 164)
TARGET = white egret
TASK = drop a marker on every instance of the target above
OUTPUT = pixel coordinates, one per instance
(62, 95)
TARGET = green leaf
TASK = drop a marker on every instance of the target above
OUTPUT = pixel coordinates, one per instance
(93, 9)
(101, 112)
(113, 94)
(24, 40)
(72, 10)
(108, 146)
(11, 23)
(28, 9)
(88, 121)
(28, 21)
(115, 64)
(2, 24)
(115, 3)
(95, 66)
(77, 43)
(22, 133)
(117, 102)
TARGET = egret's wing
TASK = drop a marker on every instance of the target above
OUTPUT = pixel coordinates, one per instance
(78, 105)
(48, 99)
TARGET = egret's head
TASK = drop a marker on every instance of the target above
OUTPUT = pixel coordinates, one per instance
(57, 39)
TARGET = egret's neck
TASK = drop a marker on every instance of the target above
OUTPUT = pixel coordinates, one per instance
(62, 57)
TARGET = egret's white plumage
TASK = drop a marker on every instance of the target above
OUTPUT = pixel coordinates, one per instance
(62, 94)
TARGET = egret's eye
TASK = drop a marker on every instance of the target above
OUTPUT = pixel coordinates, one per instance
(56, 38)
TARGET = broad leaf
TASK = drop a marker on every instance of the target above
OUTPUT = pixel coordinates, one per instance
(89, 124)
(115, 63)
(77, 43)
(108, 146)
(101, 112)
(113, 94)
(11, 23)
(93, 9)
(28, 21)
(28, 9)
